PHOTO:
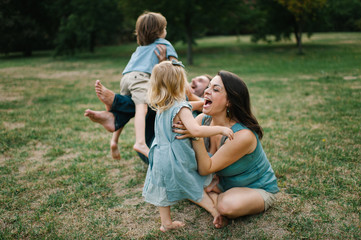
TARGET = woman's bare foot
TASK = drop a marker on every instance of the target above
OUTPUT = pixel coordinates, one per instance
(220, 221)
(114, 150)
(141, 148)
(106, 119)
(174, 225)
(212, 187)
(105, 95)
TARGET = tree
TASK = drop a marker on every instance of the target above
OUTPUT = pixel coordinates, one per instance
(188, 19)
(282, 18)
(342, 15)
(25, 26)
(303, 11)
(85, 24)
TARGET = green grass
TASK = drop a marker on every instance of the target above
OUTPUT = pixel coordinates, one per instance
(58, 181)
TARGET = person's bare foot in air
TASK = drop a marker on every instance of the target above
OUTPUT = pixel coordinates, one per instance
(105, 95)
(106, 119)
(141, 148)
(174, 225)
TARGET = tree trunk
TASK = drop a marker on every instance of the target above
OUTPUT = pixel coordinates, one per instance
(299, 38)
(92, 42)
(189, 50)
(300, 50)
(189, 32)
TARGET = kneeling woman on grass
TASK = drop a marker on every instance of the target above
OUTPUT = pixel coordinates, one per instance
(246, 184)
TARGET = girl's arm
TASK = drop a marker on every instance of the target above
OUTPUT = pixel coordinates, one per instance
(196, 105)
(244, 142)
(196, 130)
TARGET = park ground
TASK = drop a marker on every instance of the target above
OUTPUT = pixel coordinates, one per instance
(58, 180)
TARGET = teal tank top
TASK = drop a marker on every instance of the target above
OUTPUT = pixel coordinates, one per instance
(252, 170)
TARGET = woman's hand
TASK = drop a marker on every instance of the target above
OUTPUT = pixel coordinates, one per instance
(181, 129)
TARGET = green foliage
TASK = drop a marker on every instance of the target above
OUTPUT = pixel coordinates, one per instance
(83, 25)
(342, 15)
(25, 26)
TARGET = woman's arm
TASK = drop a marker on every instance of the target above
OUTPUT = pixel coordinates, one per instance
(244, 142)
(196, 130)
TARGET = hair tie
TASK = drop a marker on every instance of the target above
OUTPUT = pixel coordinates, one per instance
(177, 63)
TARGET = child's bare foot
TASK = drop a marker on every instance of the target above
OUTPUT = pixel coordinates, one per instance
(212, 187)
(174, 225)
(141, 148)
(220, 221)
(114, 150)
(106, 119)
(105, 95)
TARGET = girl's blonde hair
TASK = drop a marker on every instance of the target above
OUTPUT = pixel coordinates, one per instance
(149, 27)
(167, 85)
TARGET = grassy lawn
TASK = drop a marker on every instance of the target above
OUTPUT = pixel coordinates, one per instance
(58, 180)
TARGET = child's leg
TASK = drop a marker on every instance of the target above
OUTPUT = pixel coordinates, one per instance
(166, 220)
(114, 144)
(209, 202)
(139, 125)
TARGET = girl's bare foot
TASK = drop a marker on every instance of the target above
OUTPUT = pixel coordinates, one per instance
(114, 150)
(174, 225)
(106, 119)
(105, 95)
(220, 221)
(141, 148)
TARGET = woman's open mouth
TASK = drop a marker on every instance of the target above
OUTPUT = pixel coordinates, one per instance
(207, 103)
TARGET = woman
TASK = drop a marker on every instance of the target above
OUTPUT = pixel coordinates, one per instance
(247, 184)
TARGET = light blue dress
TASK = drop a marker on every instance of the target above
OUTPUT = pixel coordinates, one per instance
(172, 172)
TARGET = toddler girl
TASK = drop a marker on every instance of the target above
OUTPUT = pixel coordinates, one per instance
(172, 173)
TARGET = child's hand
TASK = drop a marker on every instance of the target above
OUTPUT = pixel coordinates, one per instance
(228, 132)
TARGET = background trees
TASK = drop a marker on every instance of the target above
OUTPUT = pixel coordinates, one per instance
(73, 25)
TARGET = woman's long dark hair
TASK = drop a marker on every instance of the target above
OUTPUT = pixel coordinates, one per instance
(240, 104)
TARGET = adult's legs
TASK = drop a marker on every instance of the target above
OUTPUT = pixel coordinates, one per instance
(237, 202)
(114, 144)
(122, 109)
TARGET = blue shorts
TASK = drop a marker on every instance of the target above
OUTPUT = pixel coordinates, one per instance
(123, 109)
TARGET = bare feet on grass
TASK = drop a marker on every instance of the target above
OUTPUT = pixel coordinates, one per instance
(220, 221)
(141, 148)
(106, 119)
(173, 226)
(105, 95)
